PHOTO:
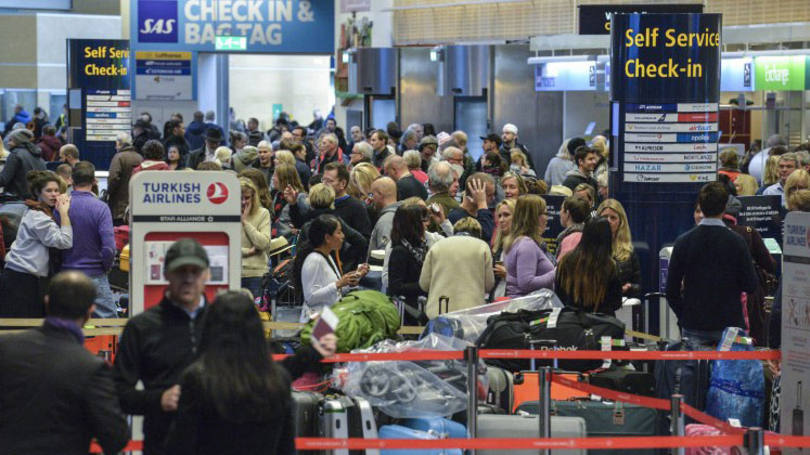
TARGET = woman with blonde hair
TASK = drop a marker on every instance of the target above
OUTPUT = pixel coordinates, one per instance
(285, 157)
(771, 174)
(258, 179)
(360, 180)
(287, 189)
(623, 252)
(528, 267)
(222, 156)
(513, 185)
(518, 163)
(504, 212)
(255, 237)
(797, 180)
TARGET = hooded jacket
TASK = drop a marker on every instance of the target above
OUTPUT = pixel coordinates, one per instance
(121, 168)
(574, 177)
(381, 234)
(149, 165)
(244, 158)
(49, 145)
(22, 159)
(195, 134)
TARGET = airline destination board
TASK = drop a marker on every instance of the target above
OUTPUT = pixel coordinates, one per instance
(108, 113)
(670, 143)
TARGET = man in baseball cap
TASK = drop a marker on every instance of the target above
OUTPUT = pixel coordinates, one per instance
(158, 344)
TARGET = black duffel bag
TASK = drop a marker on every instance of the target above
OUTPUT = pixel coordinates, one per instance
(562, 329)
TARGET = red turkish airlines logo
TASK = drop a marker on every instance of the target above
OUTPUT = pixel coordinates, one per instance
(217, 193)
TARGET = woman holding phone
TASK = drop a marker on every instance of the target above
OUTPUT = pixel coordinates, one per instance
(320, 278)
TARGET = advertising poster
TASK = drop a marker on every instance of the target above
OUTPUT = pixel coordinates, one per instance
(795, 399)
(553, 226)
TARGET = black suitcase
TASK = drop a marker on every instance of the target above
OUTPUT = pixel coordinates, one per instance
(689, 378)
(623, 380)
(305, 415)
(343, 417)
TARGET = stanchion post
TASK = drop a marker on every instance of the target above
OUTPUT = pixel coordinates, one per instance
(471, 356)
(544, 418)
(755, 441)
(677, 421)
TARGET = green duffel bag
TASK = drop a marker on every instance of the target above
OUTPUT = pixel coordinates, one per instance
(365, 317)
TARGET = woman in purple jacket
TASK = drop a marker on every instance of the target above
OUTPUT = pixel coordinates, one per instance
(528, 267)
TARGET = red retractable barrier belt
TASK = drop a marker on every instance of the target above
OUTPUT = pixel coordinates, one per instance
(641, 442)
(131, 446)
(529, 354)
(777, 440)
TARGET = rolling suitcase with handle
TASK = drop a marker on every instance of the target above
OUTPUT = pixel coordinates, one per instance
(343, 417)
(305, 415)
(527, 426)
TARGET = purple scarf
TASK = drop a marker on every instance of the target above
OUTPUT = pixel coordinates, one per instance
(66, 325)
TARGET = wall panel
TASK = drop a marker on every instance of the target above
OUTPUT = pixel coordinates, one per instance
(418, 100)
(538, 115)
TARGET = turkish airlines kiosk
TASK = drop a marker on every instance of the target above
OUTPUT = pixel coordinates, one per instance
(169, 205)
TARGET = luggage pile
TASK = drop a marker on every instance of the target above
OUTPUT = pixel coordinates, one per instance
(424, 400)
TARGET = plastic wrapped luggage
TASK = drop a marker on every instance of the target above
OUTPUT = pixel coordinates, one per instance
(527, 426)
(446, 428)
(343, 417)
(607, 419)
(401, 432)
(737, 387)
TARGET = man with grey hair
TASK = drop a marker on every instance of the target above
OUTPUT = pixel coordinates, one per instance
(788, 163)
(418, 128)
(756, 166)
(804, 159)
(361, 153)
(123, 162)
(329, 152)
(442, 181)
(23, 157)
(410, 140)
(356, 135)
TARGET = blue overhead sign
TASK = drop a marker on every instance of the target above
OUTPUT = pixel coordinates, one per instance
(277, 26)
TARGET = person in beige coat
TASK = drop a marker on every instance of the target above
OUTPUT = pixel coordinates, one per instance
(255, 238)
(458, 269)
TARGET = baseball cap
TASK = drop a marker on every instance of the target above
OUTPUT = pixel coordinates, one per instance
(492, 137)
(185, 252)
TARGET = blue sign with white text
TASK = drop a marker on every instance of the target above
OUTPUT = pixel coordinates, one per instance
(277, 26)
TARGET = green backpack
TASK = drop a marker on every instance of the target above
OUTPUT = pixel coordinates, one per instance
(365, 318)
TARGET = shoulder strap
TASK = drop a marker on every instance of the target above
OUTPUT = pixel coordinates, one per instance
(329, 261)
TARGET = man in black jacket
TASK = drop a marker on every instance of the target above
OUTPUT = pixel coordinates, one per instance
(586, 159)
(158, 344)
(349, 209)
(54, 394)
(709, 269)
(213, 139)
(24, 157)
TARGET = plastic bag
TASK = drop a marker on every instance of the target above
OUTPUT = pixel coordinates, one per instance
(402, 389)
(737, 388)
(468, 324)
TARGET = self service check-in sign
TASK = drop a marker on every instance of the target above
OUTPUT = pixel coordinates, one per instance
(665, 89)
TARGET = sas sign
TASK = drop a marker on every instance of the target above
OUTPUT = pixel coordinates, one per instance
(157, 21)
(279, 26)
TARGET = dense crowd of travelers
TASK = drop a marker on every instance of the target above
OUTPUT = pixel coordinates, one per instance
(453, 232)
